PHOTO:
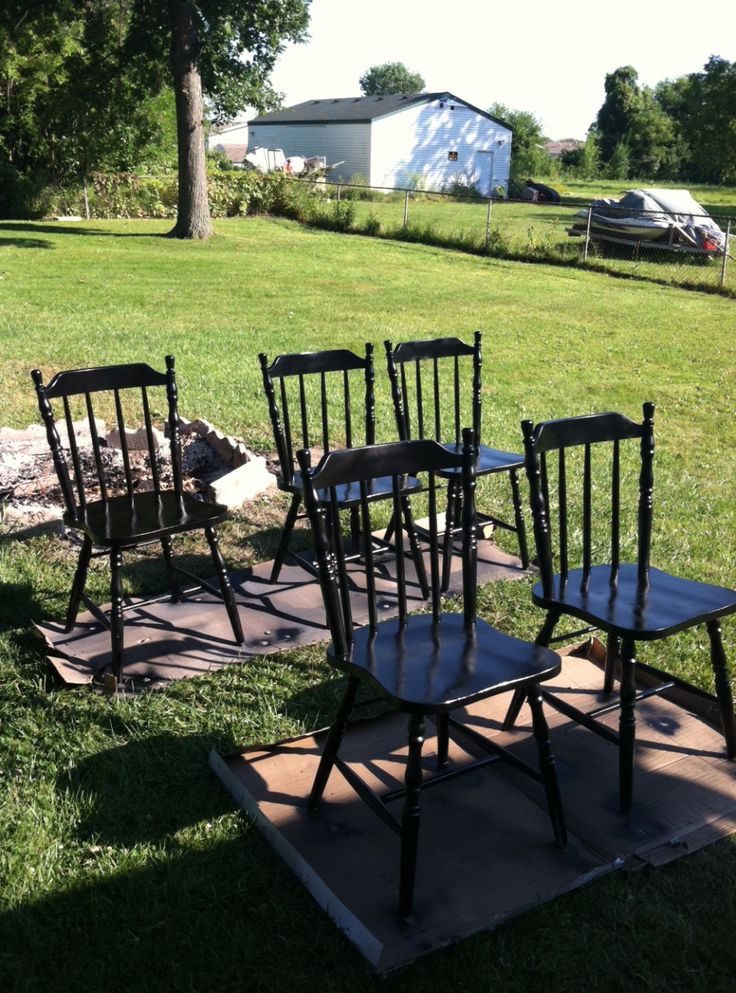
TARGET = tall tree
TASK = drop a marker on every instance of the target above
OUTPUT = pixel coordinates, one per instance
(703, 108)
(631, 116)
(528, 156)
(225, 49)
(106, 58)
(388, 78)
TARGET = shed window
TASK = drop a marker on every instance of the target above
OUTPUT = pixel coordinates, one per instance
(452, 156)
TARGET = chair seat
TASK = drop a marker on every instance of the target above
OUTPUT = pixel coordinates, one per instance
(669, 604)
(349, 494)
(489, 460)
(431, 668)
(121, 521)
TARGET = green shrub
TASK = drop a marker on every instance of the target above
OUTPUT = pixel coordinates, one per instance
(357, 189)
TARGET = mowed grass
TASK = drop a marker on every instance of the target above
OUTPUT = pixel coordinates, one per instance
(123, 865)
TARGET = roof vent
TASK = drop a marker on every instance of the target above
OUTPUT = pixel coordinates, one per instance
(314, 102)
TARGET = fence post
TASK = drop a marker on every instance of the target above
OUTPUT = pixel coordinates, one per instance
(488, 223)
(339, 188)
(406, 208)
(587, 235)
(725, 254)
(86, 198)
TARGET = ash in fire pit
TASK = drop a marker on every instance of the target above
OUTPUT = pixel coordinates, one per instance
(29, 488)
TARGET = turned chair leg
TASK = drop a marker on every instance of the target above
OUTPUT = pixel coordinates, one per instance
(613, 651)
(723, 686)
(285, 537)
(627, 725)
(116, 612)
(167, 547)
(517, 700)
(443, 739)
(225, 588)
(519, 519)
(80, 581)
(410, 817)
(332, 744)
(547, 764)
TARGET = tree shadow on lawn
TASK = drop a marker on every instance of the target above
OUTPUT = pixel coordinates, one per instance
(25, 242)
(33, 227)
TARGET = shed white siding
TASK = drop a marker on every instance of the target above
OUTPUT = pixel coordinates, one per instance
(414, 145)
(347, 143)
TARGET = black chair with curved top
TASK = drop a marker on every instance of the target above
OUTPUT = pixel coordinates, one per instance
(427, 664)
(114, 516)
(629, 601)
(430, 401)
(316, 390)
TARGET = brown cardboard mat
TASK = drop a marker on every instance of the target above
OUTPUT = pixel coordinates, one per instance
(168, 640)
(486, 851)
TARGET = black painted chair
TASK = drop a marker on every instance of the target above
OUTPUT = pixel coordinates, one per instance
(434, 406)
(426, 665)
(630, 602)
(316, 389)
(112, 521)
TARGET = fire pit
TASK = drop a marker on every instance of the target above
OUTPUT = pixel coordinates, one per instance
(214, 464)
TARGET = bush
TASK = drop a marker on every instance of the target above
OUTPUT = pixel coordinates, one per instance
(235, 193)
(357, 189)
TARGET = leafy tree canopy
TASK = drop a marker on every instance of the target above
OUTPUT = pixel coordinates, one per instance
(528, 157)
(391, 77)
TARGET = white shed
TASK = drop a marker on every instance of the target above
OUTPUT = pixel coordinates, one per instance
(427, 139)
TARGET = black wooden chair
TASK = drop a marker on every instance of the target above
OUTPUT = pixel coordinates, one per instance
(630, 602)
(318, 384)
(425, 664)
(436, 409)
(111, 521)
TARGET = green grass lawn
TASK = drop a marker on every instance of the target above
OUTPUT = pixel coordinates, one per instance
(536, 231)
(718, 198)
(123, 865)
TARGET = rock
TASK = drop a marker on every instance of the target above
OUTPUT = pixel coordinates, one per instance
(221, 445)
(136, 438)
(32, 440)
(242, 484)
(197, 426)
(241, 455)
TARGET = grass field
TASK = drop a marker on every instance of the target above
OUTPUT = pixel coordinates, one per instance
(713, 198)
(123, 865)
(535, 231)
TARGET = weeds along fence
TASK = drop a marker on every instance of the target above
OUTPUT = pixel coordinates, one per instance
(652, 245)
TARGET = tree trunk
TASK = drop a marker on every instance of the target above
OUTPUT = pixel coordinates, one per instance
(193, 217)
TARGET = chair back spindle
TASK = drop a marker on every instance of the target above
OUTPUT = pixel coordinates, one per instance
(358, 466)
(330, 370)
(587, 432)
(420, 400)
(121, 382)
(646, 493)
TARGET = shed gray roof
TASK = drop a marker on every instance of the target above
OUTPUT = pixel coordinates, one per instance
(354, 110)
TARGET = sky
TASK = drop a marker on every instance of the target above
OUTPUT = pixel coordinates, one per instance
(550, 59)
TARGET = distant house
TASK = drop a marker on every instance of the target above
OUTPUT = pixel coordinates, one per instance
(231, 140)
(556, 148)
(427, 139)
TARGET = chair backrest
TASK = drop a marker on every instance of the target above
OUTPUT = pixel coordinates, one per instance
(311, 386)
(587, 431)
(433, 400)
(398, 460)
(86, 385)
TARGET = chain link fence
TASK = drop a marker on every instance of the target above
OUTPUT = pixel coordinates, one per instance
(654, 245)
